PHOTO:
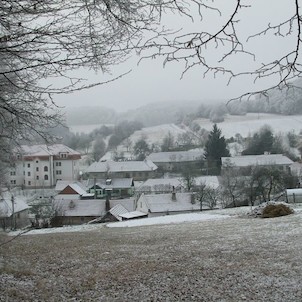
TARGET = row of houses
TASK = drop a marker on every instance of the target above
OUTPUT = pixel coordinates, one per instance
(119, 190)
(43, 165)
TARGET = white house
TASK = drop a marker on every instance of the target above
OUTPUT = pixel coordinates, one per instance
(41, 166)
(160, 185)
(245, 162)
(138, 170)
(166, 204)
(170, 161)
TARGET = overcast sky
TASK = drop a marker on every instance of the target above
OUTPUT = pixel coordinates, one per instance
(150, 82)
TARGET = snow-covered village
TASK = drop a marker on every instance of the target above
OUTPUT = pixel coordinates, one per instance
(150, 151)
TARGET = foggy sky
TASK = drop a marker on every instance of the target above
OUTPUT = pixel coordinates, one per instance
(150, 82)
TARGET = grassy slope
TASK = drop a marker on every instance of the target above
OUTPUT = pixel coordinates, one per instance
(235, 259)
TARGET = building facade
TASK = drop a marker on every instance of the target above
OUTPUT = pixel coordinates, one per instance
(41, 166)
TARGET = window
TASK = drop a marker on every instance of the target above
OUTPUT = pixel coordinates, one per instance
(13, 181)
(28, 165)
(63, 155)
(45, 169)
(37, 177)
(58, 172)
(24, 173)
(12, 173)
(45, 177)
(58, 164)
(37, 161)
(29, 183)
(37, 169)
(28, 173)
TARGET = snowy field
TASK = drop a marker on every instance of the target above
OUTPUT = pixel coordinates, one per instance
(245, 125)
(230, 259)
(156, 134)
(252, 122)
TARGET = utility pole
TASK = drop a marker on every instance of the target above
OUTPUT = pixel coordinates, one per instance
(13, 224)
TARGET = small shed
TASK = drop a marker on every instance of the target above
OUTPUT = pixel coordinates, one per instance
(294, 195)
(13, 212)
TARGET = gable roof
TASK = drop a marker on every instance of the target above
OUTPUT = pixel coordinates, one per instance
(46, 150)
(81, 208)
(117, 210)
(176, 156)
(158, 203)
(123, 166)
(74, 187)
(210, 181)
(127, 203)
(256, 160)
(6, 208)
(154, 183)
(121, 183)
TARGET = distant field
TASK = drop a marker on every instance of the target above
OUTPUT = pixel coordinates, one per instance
(233, 259)
(252, 122)
(245, 125)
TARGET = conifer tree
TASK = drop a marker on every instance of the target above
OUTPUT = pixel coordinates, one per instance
(215, 148)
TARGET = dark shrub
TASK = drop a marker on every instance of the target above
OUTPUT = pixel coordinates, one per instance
(276, 210)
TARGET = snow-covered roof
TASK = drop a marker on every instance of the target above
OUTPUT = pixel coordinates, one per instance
(6, 207)
(118, 210)
(153, 183)
(46, 150)
(164, 203)
(133, 214)
(121, 183)
(210, 181)
(256, 160)
(176, 156)
(88, 207)
(123, 166)
(78, 187)
(127, 203)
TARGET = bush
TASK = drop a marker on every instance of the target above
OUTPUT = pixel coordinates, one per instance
(276, 210)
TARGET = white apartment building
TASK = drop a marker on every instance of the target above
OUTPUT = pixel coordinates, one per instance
(41, 166)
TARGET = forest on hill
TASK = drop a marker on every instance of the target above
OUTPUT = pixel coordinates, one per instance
(278, 101)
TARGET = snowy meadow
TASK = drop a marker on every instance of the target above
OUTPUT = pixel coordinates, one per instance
(236, 258)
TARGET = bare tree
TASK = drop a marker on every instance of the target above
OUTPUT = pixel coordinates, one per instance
(233, 184)
(52, 39)
(49, 40)
(214, 47)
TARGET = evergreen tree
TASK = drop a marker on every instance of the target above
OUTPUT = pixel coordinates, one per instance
(263, 141)
(215, 148)
(141, 149)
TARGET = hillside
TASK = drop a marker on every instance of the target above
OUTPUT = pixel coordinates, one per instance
(233, 259)
(250, 123)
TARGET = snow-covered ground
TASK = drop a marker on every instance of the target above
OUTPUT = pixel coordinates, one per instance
(250, 123)
(161, 220)
(156, 134)
(231, 259)
(233, 124)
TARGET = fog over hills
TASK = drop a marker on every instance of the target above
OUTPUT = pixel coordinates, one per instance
(281, 102)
